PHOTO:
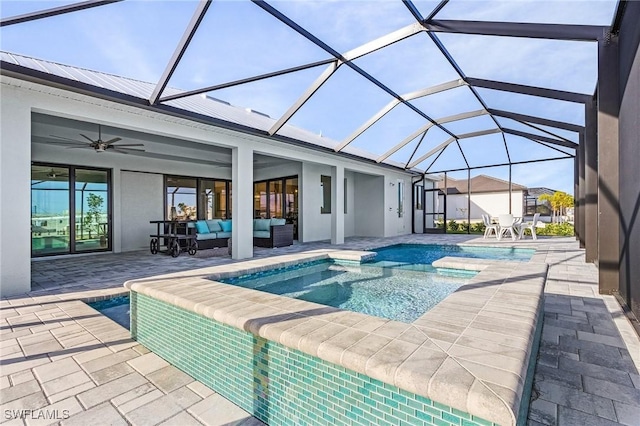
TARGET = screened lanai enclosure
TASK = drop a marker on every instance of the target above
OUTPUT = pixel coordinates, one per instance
(527, 92)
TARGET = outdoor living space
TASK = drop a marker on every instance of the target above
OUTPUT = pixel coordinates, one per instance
(60, 354)
(272, 213)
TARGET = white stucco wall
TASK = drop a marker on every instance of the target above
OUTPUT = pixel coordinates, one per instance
(282, 170)
(316, 226)
(369, 215)
(15, 193)
(491, 203)
(141, 200)
(350, 217)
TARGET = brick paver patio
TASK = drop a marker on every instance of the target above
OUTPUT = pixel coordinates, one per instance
(73, 366)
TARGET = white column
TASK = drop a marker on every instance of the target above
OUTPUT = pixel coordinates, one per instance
(337, 205)
(242, 204)
(15, 195)
(116, 215)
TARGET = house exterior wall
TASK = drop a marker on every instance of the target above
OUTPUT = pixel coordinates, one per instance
(369, 216)
(491, 203)
(282, 170)
(141, 200)
(15, 193)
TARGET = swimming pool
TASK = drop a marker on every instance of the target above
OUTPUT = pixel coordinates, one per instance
(420, 256)
(396, 294)
(117, 308)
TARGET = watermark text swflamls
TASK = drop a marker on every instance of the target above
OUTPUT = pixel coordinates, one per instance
(37, 414)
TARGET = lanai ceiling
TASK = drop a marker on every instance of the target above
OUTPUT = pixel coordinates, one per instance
(424, 85)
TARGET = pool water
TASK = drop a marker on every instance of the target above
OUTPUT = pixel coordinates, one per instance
(116, 308)
(420, 256)
(396, 294)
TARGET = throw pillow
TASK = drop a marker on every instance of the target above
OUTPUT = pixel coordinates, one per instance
(201, 227)
(225, 225)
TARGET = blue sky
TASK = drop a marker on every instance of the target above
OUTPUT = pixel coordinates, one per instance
(237, 39)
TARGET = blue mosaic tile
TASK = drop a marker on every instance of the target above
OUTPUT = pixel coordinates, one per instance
(276, 384)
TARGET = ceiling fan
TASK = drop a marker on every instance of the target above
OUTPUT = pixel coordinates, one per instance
(98, 145)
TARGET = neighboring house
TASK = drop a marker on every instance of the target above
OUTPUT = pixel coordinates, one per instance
(489, 195)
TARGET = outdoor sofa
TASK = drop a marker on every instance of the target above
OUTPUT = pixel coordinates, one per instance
(266, 233)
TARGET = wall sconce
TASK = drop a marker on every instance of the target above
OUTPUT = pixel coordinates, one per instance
(392, 184)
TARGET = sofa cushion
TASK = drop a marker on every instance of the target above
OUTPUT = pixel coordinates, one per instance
(214, 225)
(261, 234)
(201, 227)
(261, 224)
(225, 225)
(223, 234)
(207, 236)
(276, 222)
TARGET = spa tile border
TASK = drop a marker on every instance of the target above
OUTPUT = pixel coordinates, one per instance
(470, 352)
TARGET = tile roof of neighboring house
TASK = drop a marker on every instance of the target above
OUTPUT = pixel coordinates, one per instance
(480, 183)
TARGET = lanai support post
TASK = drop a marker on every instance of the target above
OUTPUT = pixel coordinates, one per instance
(591, 182)
(15, 187)
(510, 190)
(468, 201)
(579, 193)
(608, 167)
(337, 205)
(242, 202)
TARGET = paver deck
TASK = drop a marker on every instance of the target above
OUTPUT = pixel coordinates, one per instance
(60, 358)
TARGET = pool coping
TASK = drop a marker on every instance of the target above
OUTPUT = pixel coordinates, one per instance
(470, 352)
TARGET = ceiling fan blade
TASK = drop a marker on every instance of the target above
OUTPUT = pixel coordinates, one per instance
(110, 141)
(67, 143)
(127, 150)
(78, 146)
(67, 139)
(128, 144)
(87, 138)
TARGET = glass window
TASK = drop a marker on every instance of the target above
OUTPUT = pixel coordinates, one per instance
(91, 210)
(213, 199)
(70, 209)
(50, 210)
(181, 198)
(260, 200)
(418, 192)
(345, 195)
(400, 198)
(325, 184)
(291, 204)
(275, 198)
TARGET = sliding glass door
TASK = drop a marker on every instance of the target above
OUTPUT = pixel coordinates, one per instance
(92, 210)
(277, 198)
(65, 221)
(50, 220)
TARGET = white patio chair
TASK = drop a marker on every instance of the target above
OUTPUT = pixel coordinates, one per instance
(530, 226)
(506, 223)
(489, 227)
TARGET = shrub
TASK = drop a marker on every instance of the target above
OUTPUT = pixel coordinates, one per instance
(452, 226)
(463, 227)
(478, 227)
(557, 229)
